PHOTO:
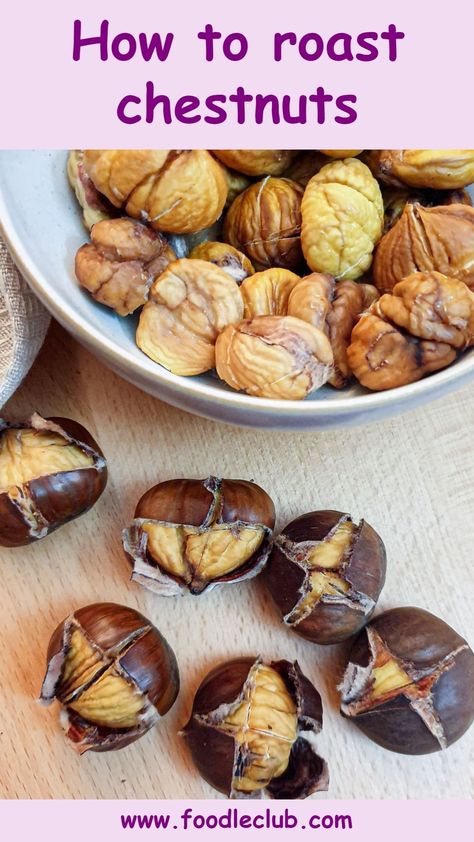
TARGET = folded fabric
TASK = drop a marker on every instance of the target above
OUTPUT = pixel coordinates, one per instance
(23, 325)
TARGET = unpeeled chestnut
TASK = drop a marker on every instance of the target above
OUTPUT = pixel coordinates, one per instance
(190, 535)
(325, 574)
(51, 471)
(409, 682)
(252, 727)
(113, 673)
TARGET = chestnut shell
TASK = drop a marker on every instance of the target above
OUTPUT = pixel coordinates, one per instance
(200, 503)
(329, 622)
(419, 641)
(56, 498)
(150, 663)
(188, 501)
(213, 751)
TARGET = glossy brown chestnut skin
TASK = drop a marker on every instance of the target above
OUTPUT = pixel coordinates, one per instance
(121, 643)
(355, 585)
(433, 705)
(200, 515)
(37, 507)
(219, 756)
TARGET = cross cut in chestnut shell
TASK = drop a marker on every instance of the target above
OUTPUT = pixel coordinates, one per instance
(32, 509)
(190, 535)
(113, 673)
(409, 682)
(220, 759)
(323, 598)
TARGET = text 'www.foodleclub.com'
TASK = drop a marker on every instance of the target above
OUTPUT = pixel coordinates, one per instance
(232, 819)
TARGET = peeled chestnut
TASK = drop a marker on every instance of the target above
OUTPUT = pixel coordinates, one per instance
(325, 574)
(251, 730)
(51, 471)
(113, 673)
(194, 534)
(409, 683)
(264, 222)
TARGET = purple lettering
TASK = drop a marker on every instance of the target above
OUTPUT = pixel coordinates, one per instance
(79, 41)
(288, 117)
(240, 98)
(242, 49)
(290, 820)
(371, 50)
(209, 35)
(320, 98)
(351, 114)
(261, 103)
(279, 40)
(346, 53)
(221, 115)
(392, 35)
(153, 100)
(311, 55)
(123, 117)
(116, 50)
(156, 45)
(183, 106)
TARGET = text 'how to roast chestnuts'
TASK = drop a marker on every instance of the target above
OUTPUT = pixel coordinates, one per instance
(113, 673)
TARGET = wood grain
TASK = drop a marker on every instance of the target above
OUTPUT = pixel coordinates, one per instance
(411, 477)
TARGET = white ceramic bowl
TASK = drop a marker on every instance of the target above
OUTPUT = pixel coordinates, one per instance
(41, 223)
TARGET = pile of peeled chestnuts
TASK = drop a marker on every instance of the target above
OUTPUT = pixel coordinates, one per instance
(409, 679)
(284, 271)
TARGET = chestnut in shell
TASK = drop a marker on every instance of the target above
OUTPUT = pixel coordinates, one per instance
(51, 471)
(409, 682)
(252, 727)
(113, 673)
(325, 574)
(190, 535)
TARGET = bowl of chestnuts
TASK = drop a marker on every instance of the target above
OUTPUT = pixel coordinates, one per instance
(267, 288)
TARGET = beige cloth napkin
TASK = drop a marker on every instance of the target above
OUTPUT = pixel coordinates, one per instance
(23, 325)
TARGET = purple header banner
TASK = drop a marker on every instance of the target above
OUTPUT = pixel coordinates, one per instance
(209, 74)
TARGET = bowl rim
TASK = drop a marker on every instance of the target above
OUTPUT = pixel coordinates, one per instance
(154, 373)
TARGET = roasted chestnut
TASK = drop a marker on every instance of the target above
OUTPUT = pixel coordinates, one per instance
(252, 730)
(264, 222)
(409, 683)
(194, 534)
(114, 674)
(51, 471)
(325, 574)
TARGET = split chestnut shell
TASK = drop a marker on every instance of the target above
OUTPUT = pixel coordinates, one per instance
(51, 471)
(113, 673)
(252, 727)
(325, 574)
(190, 535)
(409, 682)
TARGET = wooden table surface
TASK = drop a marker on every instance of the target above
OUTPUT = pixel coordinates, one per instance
(411, 477)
